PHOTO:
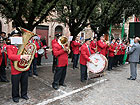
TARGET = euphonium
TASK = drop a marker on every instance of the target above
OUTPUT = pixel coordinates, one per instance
(25, 49)
(63, 41)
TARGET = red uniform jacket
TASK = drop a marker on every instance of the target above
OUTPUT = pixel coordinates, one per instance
(102, 47)
(53, 42)
(12, 55)
(93, 45)
(76, 47)
(111, 50)
(72, 45)
(37, 47)
(84, 56)
(61, 55)
(123, 48)
(118, 48)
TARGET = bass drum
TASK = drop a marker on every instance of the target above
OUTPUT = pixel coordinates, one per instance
(100, 63)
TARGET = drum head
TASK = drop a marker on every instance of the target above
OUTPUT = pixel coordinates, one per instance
(40, 51)
(99, 63)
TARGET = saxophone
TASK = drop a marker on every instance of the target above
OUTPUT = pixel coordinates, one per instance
(27, 49)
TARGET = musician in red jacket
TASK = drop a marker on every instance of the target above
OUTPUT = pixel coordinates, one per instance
(3, 61)
(61, 54)
(76, 46)
(17, 77)
(118, 53)
(84, 58)
(93, 44)
(102, 46)
(33, 67)
(111, 54)
(54, 58)
(40, 44)
(123, 48)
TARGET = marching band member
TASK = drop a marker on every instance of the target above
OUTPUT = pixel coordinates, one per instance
(54, 58)
(84, 58)
(72, 46)
(93, 44)
(123, 48)
(33, 66)
(102, 46)
(61, 54)
(18, 77)
(3, 35)
(3, 62)
(76, 46)
(111, 55)
(40, 44)
(118, 52)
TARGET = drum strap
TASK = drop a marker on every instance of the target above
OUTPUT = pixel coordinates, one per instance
(89, 50)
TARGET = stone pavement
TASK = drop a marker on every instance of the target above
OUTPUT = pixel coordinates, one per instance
(117, 90)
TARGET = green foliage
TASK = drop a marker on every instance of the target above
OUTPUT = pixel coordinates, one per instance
(110, 12)
(75, 13)
(26, 13)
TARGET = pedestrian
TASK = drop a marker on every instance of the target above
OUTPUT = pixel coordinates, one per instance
(17, 77)
(134, 54)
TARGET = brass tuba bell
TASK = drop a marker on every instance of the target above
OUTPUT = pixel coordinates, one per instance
(27, 49)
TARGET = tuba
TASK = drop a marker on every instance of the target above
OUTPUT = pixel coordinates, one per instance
(25, 49)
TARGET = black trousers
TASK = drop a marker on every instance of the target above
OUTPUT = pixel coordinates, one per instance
(121, 59)
(22, 80)
(75, 61)
(3, 72)
(33, 67)
(39, 59)
(59, 76)
(83, 69)
(110, 62)
(116, 60)
(54, 64)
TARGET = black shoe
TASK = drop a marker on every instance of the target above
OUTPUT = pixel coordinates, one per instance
(16, 100)
(4, 80)
(30, 75)
(77, 67)
(131, 78)
(64, 85)
(83, 81)
(36, 74)
(25, 97)
(109, 69)
(55, 87)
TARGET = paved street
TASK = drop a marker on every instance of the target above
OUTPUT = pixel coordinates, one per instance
(111, 89)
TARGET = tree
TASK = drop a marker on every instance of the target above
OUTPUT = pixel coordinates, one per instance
(109, 12)
(75, 13)
(26, 13)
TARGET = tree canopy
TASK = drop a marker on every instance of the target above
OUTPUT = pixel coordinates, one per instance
(109, 13)
(26, 13)
(75, 13)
